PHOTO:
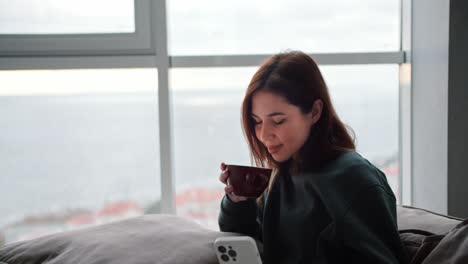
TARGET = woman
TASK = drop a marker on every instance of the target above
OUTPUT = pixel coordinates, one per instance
(324, 203)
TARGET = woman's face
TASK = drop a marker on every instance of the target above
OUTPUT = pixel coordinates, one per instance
(281, 127)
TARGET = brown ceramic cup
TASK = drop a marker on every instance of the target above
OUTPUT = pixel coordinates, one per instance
(248, 181)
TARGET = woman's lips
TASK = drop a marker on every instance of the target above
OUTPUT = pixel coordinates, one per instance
(274, 149)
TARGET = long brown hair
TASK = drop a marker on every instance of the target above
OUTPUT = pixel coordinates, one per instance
(296, 77)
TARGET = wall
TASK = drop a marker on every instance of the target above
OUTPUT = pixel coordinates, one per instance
(440, 106)
(458, 110)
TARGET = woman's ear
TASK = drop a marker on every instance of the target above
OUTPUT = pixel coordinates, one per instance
(316, 112)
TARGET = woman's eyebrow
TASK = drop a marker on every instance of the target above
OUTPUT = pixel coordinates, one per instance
(272, 114)
(276, 114)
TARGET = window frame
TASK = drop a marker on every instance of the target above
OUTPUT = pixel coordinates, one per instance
(139, 42)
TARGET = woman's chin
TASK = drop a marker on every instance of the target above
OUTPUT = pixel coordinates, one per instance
(279, 158)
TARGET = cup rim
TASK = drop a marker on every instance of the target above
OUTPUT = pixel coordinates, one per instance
(248, 167)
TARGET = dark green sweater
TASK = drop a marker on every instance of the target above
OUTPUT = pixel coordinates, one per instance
(343, 213)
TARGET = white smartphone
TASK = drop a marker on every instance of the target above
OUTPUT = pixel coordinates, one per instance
(237, 249)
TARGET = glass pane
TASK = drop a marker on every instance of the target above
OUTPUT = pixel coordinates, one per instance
(207, 130)
(78, 148)
(366, 98)
(206, 120)
(248, 27)
(66, 17)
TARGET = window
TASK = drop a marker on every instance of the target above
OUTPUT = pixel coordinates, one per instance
(366, 98)
(206, 110)
(64, 17)
(56, 27)
(79, 148)
(262, 27)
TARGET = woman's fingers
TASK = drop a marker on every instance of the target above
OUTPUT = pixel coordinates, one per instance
(224, 177)
(236, 198)
(241, 198)
(224, 174)
(228, 189)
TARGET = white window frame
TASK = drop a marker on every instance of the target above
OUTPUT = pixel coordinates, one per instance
(139, 42)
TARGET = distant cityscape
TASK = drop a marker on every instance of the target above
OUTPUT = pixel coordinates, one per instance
(198, 204)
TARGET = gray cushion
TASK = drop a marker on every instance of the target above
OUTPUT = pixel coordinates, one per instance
(453, 248)
(162, 239)
(420, 219)
(421, 232)
(426, 248)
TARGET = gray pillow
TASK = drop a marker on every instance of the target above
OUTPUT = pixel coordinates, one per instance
(161, 239)
(453, 248)
(420, 219)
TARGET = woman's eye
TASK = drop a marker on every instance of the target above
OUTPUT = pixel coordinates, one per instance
(279, 122)
(256, 122)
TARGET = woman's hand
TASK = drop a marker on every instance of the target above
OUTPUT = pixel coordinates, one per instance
(228, 189)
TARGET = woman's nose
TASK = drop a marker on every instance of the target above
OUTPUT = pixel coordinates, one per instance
(265, 134)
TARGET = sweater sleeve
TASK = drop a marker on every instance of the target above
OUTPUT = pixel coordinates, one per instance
(368, 230)
(241, 217)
